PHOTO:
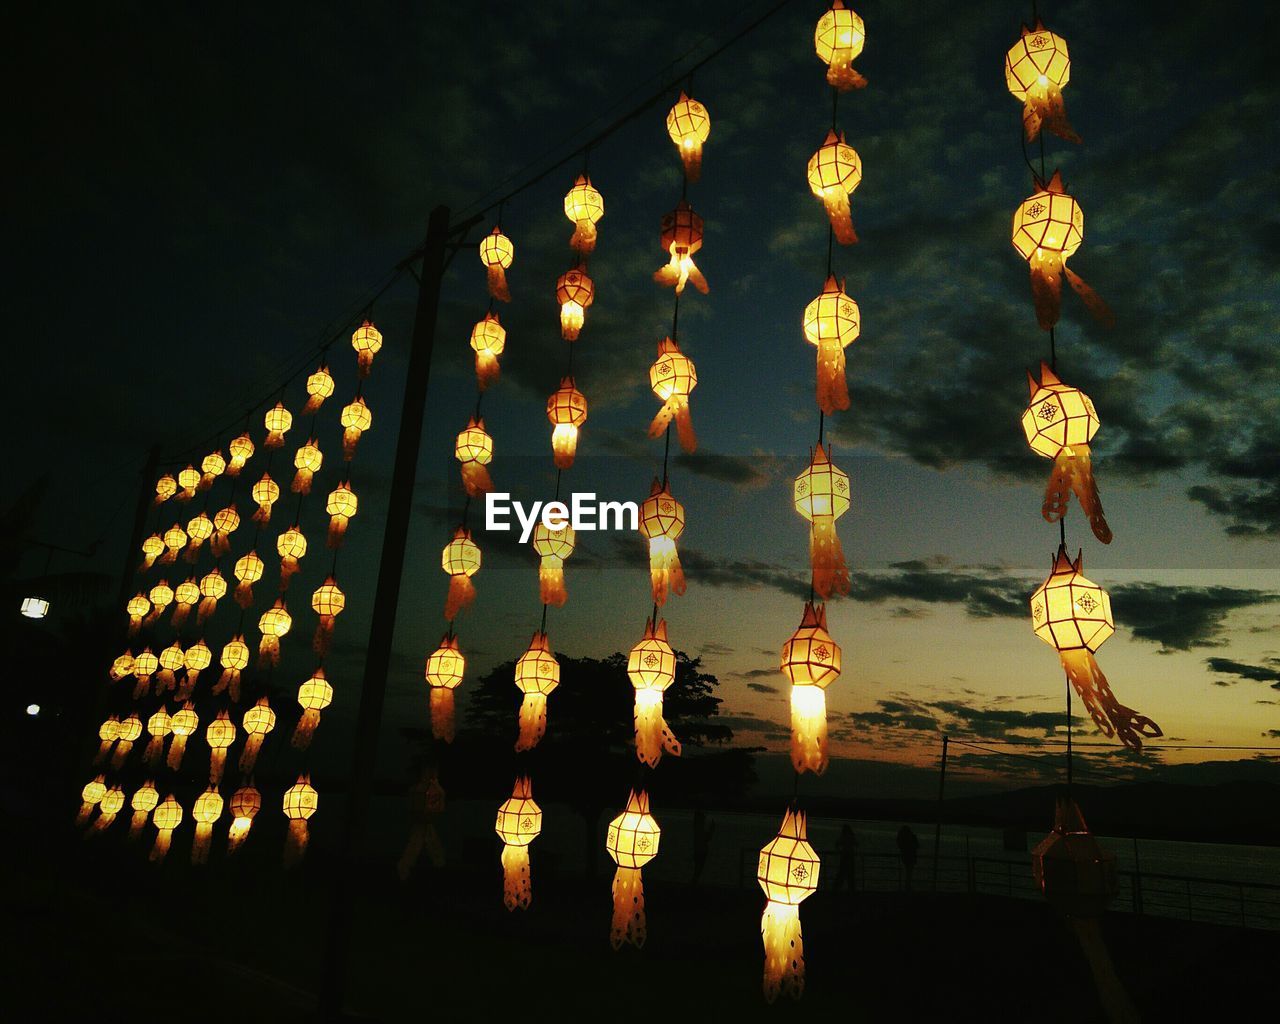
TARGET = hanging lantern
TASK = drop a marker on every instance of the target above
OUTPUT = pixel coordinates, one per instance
(831, 323)
(90, 797)
(225, 522)
(34, 608)
(1036, 68)
(307, 460)
(575, 291)
(172, 661)
(788, 873)
(234, 660)
(241, 450)
(356, 419)
(314, 695)
(175, 539)
(145, 666)
(300, 802)
(213, 588)
(632, 842)
(319, 387)
(166, 818)
(811, 661)
(822, 496)
(839, 39)
(220, 734)
(166, 488)
(266, 492)
(206, 811)
(552, 547)
(584, 207)
(108, 733)
(198, 658)
(199, 530)
(137, 607)
(159, 725)
(121, 667)
(213, 466)
(248, 570)
(537, 674)
(108, 807)
(367, 341)
(188, 481)
(519, 824)
(567, 411)
(473, 449)
(662, 521)
(341, 506)
(274, 624)
(161, 596)
(143, 802)
(681, 238)
(291, 546)
(185, 596)
(689, 125)
(128, 734)
(245, 804)
(258, 721)
(152, 548)
(445, 668)
(834, 172)
(327, 602)
(1059, 422)
(1077, 876)
(496, 253)
(488, 339)
(278, 421)
(460, 559)
(184, 723)
(1072, 614)
(673, 378)
(651, 666)
(1048, 227)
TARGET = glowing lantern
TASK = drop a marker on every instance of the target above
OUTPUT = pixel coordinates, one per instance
(651, 666)
(838, 40)
(278, 420)
(811, 661)
(266, 492)
(225, 522)
(307, 460)
(166, 818)
(144, 667)
(356, 419)
(108, 807)
(834, 172)
(681, 238)
(831, 323)
(152, 548)
(519, 824)
(248, 570)
(662, 521)
(822, 496)
(1036, 68)
(213, 588)
(314, 695)
(567, 411)
(175, 539)
(108, 732)
(327, 602)
(341, 507)
(319, 387)
(632, 841)
(488, 339)
(275, 623)
(206, 810)
(461, 560)
(220, 734)
(184, 723)
(234, 660)
(213, 466)
(258, 721)
(575, 291)
(159, 725)
(788, 873)
(537, 674)
(300, 802)
(496, 253)
(137, 607)
(584, 207)
(126, 736)
(143, 802)
(673, 378)
(161, 596)
(90, 797)
(552, 547)
(246, 802)
(121, 667)
(1072, 614)
(290, 546)
(34, 608)
(241, 450)
(1048, 228)
(188, 480)
(166, 488)
(185, 596)
(197, 659)
(473, 449)
(367, 341)
(1059, 422)
(444, 671)
(689, 125)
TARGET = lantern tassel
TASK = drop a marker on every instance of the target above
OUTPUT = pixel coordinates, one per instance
(629, 922)
(200, 848)
(691, 157)
(249, 756)
(1097, 308)
(121, 753)
(181, 612)
(165, 680)
(840, 73)
(186, 687)
(364, 360)
(1046, 287)
(487, 369)
(676, 407)
(1046, 107)
(322, 639)
(442, 716)
(103, 750)
(476, 479)
(584, 236)
(1111, 992)
(517, 888)
(783, 951)
(229, 680)
(833, 387)
(169, 556)
(836, 200)
(1073, 471)
(269, 651)
(137, 823)
(135, 624)
(238, 833)
(337, 531)
(148, 560)
(350, 438)
(564, 444)
(176, 749)
(830, 573)
(498, 282)
(244, 593)
(220, 544)
(533, 720)
(296, 844)
(217, 764)
(140, 687)
(305, 730)
(100, 824)
(653, 735)
(572, 317)
(809, 729)
(208, 605)
(313, 405)
(154, 753)
(158, 851)
(665, 572)
(274, 439)
(551, 586)
(192, 552)
(461, 593)
(680, 271)
(263, 514)
(301, 482)
(1110, 716)
(289, 567)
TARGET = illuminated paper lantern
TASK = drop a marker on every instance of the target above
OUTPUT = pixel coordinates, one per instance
(575, 291)
(356, 419)
(220, 734)
(1048, 227)
(172, 661)
(473, 448)
(258, 721)
(552, 547)
(1059, 422)
(152, 548)
(835, 170)
(681, 238)
(651, 667)
(206, 811)
(248, 570)
(673, 378)
(537, 674)
(341, 506)
(1036, 68)
(300, 803)
(1072, 614)
(197, 659)
(567, 411)
(838, 39)
(488, 340)
(241, 451)
(108, 807)
(278, 422)
(213, 588)
(788, 873)
(34, 607)
(145, 666)
(307, 460)
(266, 492)
(225, 522)
(632, 841)
(444, 671)
(159, 725)
(821, 495)
(327, 601)
(126, 736)
(108, 733)
(319, 387)
(662, 521)
(188, 481)
(234, 660)
(166, 488)
(90, 797)
(1077, 876)
(519, 824)
(185, 596)
(274, 624)
(161, 596)
(584, 206)
(314, 695)
(175, 539)
(689, 126)
(245, 804)
(212, 467)
(831, 323)
(138, 607)
(367, 341)
(811, 661)
(460, 559)
(142, 803)
(166, 817)
(122, 667)
(496, 253)
(291, 546)
(184, 723)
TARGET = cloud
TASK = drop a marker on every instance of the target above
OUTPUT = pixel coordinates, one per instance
(1269, 673)
(763, 688)
(731, 469)
(1180, 618)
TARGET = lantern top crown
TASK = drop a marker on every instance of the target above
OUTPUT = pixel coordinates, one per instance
(814, 617)
(1047, 379)
(658, 632)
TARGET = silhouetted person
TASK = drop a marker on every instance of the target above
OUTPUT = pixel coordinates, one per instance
(908, 845)
(702, 833)
(848, 847)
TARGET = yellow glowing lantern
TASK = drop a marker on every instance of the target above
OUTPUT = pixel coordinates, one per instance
(497, 253)
(241, 451)
(307, 460)
(444, 672)
(143, 802)
(835, 170)
(266, 492)
(681, 238)
(206, 810)
(122, 667)
(159, 725)
(137, 608)
(327, 601)
(662, 521)
(185, 596)
(145, 666)
(90, 797)
(291, 546)
(811, 662)
(166, 488)
(356, 419)
(314, 695)
(488, 339)
(632, 841)
(152, 548)
(212, 467)
(300, 802)
(175, 539)
(537, 674)
(519, 824)
(821, 495)
(188, 480)
(225, 522)
(584, 206)
(258, 721)
(319, 387)
(128, 734)
(278, 421)
(831, 323)
(838, 39)
(108, 733)
(567, 411)
(274, 624)
(341, 506)
(245, 804)
(172, 661)
(166, 817)
(220, 734)
(460, 559)
(234, 660)
(689, 126)
(161, 596)
(184, 723)
(248, 570)
(552, 547)
(575, 291)
(673, 378)
(108, 807)
(651, 666)
(198, 658)
(367, 341)
(473, 449)
(213, 588)
(788, 873)
(199, 530)
(1036, 68)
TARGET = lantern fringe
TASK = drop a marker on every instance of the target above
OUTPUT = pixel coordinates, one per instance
(269, 651)
(289, 566)
(100, 824)
(249, 756)
(229, 680)
(809, 729)
(679, 271)
(234, 465)
(135, 624)
(691, 157)
(498, 282)
(1097, 308)
(783, 951)
(350, 438)
(364, 361)
(676, 407)
(564, 444)
(147, 562)
(208, 605)
(313, 405)
(551, 588)
(140, 687)
(665, 572)
(181, 612)
(841, 76)
(296, 843)
(337, 531)
(836, 200)
(487, 369)
(82, 816)
(584, 236)
(200, 848)
(192, 552)
(629, 923)
(238, 833)
(161, 847)
(220, 544)
(103, 750)
(176, 749)
(833, 387)
(274, 439)
(263, 514)
(476, 479)
(653, 735)
(244, 594)
(137, 823)
(1045, 107)
(1110, 716)
(1111, 992)
(572, 317)
(830, 573)
(442, 714)
(121, 753)
(533, 720)
(154, 754)
(301, 482)
(186, 687)
(517, 886)
(322, 639)
(461, 593)
(165, 680)
(305, 730)
(1073, 471)
(169, 556)
(153, 616)
(217, 764)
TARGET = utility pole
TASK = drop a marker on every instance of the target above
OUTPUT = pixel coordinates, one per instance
(937, 827)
